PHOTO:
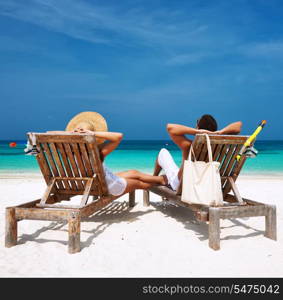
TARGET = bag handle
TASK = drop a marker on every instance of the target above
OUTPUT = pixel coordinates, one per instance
(191, 151)
(208, 148)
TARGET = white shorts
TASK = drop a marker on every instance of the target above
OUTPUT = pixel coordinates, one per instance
(116, 185)
(166, 162)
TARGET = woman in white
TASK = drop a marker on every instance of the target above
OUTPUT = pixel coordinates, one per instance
(126, 181)
(119, 183)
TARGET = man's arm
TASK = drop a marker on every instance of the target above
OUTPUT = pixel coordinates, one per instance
(177, 133)
(233, 128)
(176, 129)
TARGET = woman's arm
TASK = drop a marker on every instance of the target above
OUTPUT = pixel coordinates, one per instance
(114, 139)
(233, 128)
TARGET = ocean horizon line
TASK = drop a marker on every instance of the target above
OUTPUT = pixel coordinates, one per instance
(138, 140)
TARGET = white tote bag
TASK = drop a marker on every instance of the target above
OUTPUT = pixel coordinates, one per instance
(201, 180)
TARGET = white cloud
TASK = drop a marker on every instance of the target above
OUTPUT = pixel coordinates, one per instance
(191, 33)
(98, 24)
(63, 16)
(185, 59)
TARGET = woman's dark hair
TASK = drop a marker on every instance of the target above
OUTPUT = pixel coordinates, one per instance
(207, 122)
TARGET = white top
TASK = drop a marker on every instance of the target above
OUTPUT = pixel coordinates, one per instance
(116, 185)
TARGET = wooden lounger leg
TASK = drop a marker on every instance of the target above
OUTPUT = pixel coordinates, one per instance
(214, 228)
(74, 233)
(11, 233)
(270, 222)
(145, 198)
(132, 199)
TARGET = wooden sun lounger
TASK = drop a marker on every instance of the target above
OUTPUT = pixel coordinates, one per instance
(71, 166)
(225, 149)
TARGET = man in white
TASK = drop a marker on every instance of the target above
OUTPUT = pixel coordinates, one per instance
(206, 124)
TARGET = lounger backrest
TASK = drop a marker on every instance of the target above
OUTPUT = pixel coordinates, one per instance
(72, 159)
(225, 149)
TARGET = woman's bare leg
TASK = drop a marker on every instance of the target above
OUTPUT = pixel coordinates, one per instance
(135, 184)
(146, 178)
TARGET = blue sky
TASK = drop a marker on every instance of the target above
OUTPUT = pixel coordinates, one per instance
(141, 64)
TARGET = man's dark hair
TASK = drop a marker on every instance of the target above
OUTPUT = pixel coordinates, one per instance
(207, 122)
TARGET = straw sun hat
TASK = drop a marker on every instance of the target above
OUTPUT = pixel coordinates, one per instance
(89, 120)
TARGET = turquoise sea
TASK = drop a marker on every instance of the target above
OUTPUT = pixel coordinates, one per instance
(141, 155)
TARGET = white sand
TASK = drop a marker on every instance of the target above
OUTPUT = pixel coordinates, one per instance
(158, 241)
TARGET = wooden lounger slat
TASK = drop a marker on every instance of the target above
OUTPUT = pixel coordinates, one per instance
(94, 157)
(229, 168)
(230, 163)
(73, 178)
(59, 164)
(204, 153)
(236, 169)
(234, 173)
(67, 165)
(226, 159)
(199, 148)
(222, 139)
(213, 149)
(77, 155)
(86, 194)
(86, 160)
(72, 161)
(49, 189)
(43, 165)
(233, 163)
(94, 167)
(217, 151)
(50, 158)
(72, 138)
(222, 153)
